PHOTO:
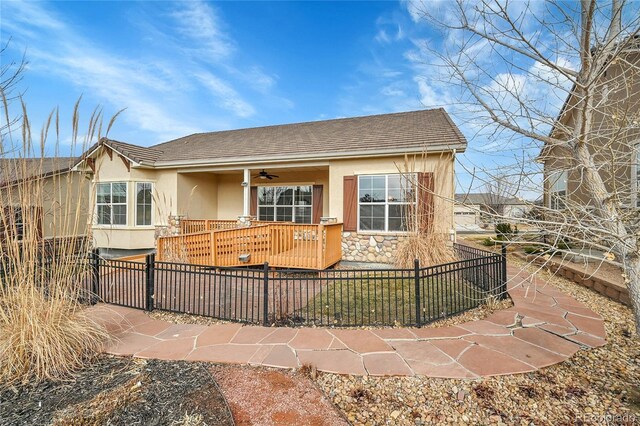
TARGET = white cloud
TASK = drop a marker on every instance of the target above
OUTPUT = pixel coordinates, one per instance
(200, 22)
(229, 98)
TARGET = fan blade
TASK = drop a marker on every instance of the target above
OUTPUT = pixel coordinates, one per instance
(269, 177)
(274, 176)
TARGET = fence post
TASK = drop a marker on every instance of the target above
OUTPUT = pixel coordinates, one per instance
(95, 276)
(265, 295)
(150, 261)
(416, 280)
(503, 275)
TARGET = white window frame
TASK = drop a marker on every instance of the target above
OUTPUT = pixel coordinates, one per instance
(558, 202)
(293, 206)
(410, 179)
(111, 204)
(135, 203)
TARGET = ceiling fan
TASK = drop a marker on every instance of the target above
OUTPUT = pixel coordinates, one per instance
(264, 175)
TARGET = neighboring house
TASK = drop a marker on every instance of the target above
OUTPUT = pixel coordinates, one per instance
(615, 145)
(345, 170)
(475, 211)
(53, 214)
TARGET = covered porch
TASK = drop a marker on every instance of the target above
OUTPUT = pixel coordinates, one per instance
(246, 217)
(291, 193)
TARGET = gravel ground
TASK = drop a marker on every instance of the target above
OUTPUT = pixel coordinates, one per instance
(177, 318)
(585, 389)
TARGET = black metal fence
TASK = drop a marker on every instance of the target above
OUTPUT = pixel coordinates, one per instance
(339, 297)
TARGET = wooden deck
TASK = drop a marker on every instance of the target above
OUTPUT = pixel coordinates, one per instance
(282, 245)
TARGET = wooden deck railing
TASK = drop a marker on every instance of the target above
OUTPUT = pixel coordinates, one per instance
(190, 226)
(283, 245)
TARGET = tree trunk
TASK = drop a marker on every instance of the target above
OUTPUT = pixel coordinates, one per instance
(632, 272)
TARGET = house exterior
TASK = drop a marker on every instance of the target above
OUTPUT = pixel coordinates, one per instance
(476, 211)
(616, 147)
(342, 170)
(60, 203)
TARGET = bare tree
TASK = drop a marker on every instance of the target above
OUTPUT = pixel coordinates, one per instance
(512, 60)
(11, 74)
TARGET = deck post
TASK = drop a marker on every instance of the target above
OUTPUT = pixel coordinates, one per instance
(265, 295)
(246, 184)
(321, 248)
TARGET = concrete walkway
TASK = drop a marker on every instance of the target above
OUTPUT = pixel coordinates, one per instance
(544, 327)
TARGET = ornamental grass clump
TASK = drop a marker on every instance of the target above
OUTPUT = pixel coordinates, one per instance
(427, 220)
(45, 330)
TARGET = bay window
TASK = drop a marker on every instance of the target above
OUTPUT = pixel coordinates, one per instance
(111, 203)
(144, 203)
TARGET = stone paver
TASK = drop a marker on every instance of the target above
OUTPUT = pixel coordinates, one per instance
(544, 327)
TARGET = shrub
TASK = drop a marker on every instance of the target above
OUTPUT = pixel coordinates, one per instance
(562, 244)
(488, 241)
(44, 330)
(504, 231)
(533, 249)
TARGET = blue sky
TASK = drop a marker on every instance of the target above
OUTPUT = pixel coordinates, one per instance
(194, 66)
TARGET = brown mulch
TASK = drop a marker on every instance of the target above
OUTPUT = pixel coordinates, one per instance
(261, 396)
(121, 391)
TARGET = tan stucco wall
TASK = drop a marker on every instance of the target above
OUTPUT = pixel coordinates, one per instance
(64, 200)
(66, 205)
(197, 195)
(442, 165)
(218, 194)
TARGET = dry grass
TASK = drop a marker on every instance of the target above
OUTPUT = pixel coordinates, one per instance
(44, 331)
(427, 223)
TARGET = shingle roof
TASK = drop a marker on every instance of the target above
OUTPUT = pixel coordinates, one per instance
(485, 198)
(137, 153)
(13, 169)
(414, 130)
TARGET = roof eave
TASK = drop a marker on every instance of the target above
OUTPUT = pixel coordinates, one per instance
(458, 147)
(89, 154)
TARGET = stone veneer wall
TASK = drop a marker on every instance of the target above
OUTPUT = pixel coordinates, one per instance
(369, 248)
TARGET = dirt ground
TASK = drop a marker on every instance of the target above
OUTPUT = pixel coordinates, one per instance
(260, 396)
(121, 391)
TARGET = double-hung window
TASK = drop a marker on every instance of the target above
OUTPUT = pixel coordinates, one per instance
(383, 202)
(558, 189)
(111, 203)
(144, 203)
(285, 203)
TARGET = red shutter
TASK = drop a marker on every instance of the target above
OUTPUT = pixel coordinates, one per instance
(317, 204)
(350, 204)
(425, 202)
(253, 202)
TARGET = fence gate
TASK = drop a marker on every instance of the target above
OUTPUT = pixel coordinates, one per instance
(121, 282)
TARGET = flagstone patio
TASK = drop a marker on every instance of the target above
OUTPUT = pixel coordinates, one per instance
(544, 327)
